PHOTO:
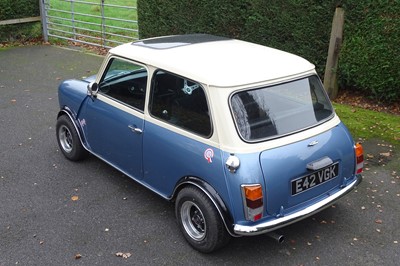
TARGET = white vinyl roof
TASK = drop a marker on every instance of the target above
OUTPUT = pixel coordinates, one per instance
(215, 60)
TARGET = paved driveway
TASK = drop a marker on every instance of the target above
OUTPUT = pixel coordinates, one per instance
(52, 209)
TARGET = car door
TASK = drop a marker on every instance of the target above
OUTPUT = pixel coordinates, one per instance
(113, 119)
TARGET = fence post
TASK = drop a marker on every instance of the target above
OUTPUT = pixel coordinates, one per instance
(73, 20)
(103, 25)
(335, 43)
(43, 15)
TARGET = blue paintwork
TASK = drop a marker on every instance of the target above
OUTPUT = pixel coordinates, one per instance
(169, 156)
(159, 158)
(71, 94)
(108, 136)
(282, 165)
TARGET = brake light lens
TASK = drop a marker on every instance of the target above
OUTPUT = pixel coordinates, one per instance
(359, 152)
(253, 202)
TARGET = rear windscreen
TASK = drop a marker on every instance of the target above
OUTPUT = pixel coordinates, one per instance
(281, 109)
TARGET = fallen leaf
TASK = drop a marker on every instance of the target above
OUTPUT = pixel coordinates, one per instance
(386, 154)
(78, 256)
(123, 255)
(74, 198)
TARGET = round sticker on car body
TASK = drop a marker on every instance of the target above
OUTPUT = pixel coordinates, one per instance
(208, 155)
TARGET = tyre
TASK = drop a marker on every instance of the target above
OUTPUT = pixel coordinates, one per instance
(200, 221)
(68, 139)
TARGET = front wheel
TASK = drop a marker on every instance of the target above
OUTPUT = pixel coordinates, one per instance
(68, 139)
(200, 221)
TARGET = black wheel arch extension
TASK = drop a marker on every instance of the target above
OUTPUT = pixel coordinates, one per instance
(66, 111)
(212, 194)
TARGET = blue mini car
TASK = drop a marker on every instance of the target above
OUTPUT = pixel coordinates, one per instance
(241, 137)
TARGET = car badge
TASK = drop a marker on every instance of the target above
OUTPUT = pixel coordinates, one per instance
(312, 143)
(208, 155)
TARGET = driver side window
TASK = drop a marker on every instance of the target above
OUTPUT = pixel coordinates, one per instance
(125, 82)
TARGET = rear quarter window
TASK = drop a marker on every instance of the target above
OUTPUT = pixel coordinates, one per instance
(180, 102)
(279, 110)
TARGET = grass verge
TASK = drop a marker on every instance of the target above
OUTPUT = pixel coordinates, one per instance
(367, 124)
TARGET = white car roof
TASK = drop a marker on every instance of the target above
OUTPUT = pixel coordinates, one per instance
(213, 60)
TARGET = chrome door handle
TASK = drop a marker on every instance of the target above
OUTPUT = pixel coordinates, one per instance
(135, 129)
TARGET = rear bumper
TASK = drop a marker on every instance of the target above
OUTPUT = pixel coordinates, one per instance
(265, 227)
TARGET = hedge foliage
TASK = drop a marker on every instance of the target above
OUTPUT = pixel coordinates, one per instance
(369, 58)
(13, 9)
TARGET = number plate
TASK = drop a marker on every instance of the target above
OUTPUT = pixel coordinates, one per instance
(304, 183)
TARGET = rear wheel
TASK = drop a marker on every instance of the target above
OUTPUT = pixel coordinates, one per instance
(200, 221)
(68, 139)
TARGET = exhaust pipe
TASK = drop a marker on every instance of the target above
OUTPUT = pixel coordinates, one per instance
(278, 237)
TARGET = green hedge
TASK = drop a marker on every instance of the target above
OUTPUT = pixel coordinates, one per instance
(370, 58)
(13, 9)
(298, 26)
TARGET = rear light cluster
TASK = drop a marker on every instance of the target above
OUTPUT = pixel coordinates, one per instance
(253, 202)
(359, 152)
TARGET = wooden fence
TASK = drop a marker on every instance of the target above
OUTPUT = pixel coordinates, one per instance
(19, 20)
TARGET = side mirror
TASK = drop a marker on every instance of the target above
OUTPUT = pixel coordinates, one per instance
(92, 89)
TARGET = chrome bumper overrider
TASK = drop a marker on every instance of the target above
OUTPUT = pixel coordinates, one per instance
(249, 230)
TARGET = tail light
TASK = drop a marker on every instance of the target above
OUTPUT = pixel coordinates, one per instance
(253, 202)
(359, 152)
